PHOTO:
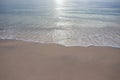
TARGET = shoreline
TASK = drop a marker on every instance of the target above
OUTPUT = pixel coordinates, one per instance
(56, 44)
(21, 60)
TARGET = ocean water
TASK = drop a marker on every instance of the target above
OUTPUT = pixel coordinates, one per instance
(65, 22)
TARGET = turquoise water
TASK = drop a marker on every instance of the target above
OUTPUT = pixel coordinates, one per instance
(66, 22)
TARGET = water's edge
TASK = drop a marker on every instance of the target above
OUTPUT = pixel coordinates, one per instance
(116, 47)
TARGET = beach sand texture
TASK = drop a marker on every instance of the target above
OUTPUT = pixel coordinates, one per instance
(34, 61)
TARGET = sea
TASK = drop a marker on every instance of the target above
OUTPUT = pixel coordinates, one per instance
(65, 22)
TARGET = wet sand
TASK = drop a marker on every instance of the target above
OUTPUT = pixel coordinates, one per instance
(21, 60)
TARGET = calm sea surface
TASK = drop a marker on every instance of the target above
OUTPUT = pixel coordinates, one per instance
(66, 22)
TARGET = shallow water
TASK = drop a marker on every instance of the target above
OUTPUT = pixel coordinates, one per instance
(66, 22)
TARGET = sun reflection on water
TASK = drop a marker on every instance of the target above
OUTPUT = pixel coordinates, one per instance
(64, 34)
(59, 2)
(59, 8)
(60, 12)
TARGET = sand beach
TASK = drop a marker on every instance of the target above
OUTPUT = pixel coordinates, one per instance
(20, 60)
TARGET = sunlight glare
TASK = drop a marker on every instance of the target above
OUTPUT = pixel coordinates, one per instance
(59, 2)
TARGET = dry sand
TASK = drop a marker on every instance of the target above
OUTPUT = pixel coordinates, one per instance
(32, 61)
